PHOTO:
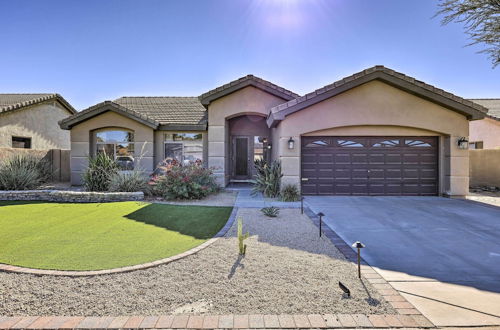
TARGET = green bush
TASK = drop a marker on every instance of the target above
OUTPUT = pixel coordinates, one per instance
(100, 170)
(129, 182)
(21, 172)
(185, 182)
(270, 211)
(268, 178)
(290, 193)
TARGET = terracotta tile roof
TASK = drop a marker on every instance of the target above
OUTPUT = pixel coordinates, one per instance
(10, 102)
(248, 80)
(167, 110)
(376, 72)
(493, 106)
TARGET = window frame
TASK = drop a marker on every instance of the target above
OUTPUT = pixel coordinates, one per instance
(25, 138)
(115, 144)
(170, 138)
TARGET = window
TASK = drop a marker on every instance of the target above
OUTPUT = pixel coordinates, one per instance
(317, 143)
(387, 143)
(417, 143)
(476, 145)
(21, 142)
(117, 144)
(349, 144)
(258, 147)
(184, 147)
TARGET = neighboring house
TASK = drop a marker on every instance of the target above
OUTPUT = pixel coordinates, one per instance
(485, 133)
(30, 121)
(377, 132)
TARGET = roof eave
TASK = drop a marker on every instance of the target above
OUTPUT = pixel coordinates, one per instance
(276, 115)
(213, 95)
(97, 109)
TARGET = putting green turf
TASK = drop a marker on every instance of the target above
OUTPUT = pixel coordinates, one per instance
(72, 236)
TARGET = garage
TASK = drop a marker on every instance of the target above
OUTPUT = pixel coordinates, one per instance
(381, 165)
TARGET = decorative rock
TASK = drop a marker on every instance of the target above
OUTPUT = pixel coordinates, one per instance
(69, 196)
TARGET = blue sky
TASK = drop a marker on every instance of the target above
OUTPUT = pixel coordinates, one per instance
(91, 51)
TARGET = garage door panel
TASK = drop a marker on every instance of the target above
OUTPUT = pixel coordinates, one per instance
(370, 165)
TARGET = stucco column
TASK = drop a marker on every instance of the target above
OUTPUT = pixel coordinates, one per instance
(216, 151)
(290, 160)
(458, 172)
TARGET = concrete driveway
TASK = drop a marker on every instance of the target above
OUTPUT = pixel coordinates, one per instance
(442, 254)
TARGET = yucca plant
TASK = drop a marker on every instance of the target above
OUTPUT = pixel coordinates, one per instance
(242, 237)
(290, 193)
(129, 182)
(268, 178)
(100, 170)
(270, 211)
(21, 172)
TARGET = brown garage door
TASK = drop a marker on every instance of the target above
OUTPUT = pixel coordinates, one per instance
(350, 165)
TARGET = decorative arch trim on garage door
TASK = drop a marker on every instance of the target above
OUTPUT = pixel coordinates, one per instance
(377, 165)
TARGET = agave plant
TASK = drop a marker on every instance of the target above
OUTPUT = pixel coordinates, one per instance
(268, 178)
(270, 211)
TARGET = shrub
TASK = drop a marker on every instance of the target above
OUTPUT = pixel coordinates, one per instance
(129, 182)
(21, 172)
(270, 211)
(97, 176)
(191, 181)
(290, 193)
(268, 177)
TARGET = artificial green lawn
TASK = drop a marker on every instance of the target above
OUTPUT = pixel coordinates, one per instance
(72, 236)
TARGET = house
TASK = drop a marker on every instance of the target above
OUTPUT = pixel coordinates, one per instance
(377, 132)
(30, 121)
(485, 133)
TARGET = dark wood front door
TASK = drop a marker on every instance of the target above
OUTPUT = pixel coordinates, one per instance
(241, 158)
(354, 165)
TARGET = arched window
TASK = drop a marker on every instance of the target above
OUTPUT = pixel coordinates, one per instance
(118, 144)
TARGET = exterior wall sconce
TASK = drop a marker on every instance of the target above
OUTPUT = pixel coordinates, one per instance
(463, 143)
(269, 146)
(291, 143)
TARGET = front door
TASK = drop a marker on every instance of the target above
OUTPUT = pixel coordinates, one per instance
(241, 158)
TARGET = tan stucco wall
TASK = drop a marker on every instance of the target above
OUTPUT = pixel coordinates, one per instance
(485, 167)
(39, 122)
(375, 106)
(486, 130)
(81, 144)
(248, 100)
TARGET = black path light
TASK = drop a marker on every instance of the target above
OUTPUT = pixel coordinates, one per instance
(320, 215)
(358, 245)
(345, 289)
(301, 204)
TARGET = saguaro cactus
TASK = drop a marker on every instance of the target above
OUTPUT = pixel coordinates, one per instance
(241, 237)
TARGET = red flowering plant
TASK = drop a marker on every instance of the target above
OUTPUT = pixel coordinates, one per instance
(190, 181)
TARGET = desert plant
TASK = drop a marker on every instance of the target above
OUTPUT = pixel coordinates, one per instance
(290, 193)
(242, 237)
(99, 172)
(191, 181)
(21, 172)
(270, 211)
(129, 182)
(268, 178)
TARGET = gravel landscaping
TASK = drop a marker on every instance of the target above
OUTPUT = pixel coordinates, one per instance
(287, 269)
(223, 198)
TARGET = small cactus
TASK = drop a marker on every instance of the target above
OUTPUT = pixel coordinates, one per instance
(242, 237)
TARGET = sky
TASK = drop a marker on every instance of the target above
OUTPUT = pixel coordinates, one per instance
(95, 50)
